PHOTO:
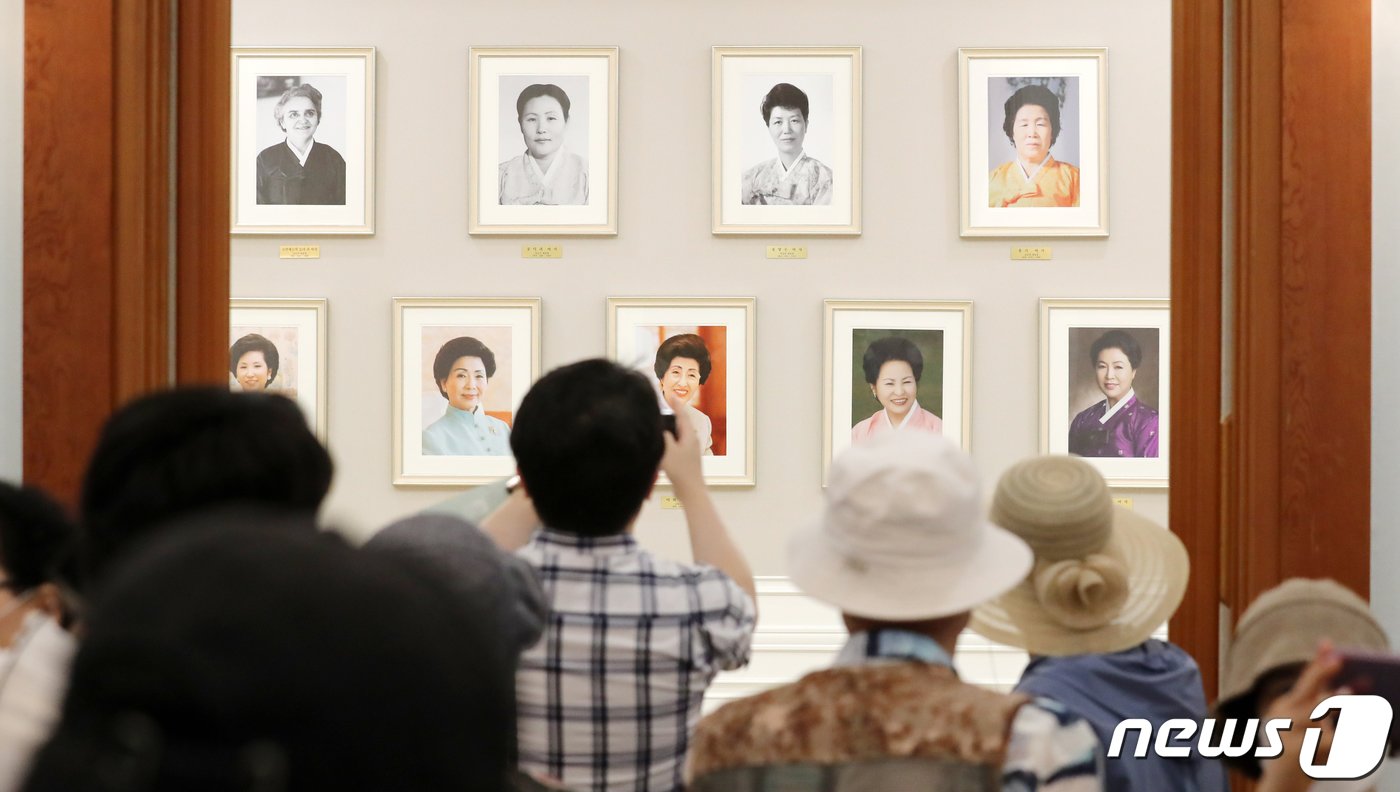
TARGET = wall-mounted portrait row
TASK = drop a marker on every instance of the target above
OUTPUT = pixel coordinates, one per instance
(543, 141)
(462, 366)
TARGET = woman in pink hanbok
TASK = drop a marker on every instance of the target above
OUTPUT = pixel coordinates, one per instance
(893, 366)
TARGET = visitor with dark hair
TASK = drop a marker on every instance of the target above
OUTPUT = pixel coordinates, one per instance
(608, 697)
(682, 365)
(36, 554)
(793, 178)
(229, 656)
(893, 366)
(183, 451)
(463, 369)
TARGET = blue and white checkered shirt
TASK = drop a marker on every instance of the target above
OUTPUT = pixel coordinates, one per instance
(609, 696)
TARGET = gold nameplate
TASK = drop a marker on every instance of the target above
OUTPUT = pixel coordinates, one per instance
(671, 502)
(787, 251)
(1126, 503)
(1030, 254)
(300, 251)
(542, 251)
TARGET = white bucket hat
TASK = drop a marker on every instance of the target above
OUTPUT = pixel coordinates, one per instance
(903, 537)
(1104, 577)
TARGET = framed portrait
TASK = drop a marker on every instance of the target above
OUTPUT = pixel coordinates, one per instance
(1105, 386)
(1033, 137)
(543, 141)
(303, 140)
(701, 350)
(786, 140)
(895, 366)
(461, 367)
(278, 345)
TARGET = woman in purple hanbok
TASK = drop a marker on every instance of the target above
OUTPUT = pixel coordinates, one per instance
(1120, 425)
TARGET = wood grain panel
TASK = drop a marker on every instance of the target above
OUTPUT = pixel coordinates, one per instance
(68, 224)
(1194, 505)
(202, 255)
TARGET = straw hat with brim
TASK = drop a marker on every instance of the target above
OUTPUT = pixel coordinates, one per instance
(1104, 577)
(1283, 627)
(903, 537)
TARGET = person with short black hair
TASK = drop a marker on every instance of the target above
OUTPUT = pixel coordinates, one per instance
(299, 170)
(546, 173)
(179, 452)
(463, 369)
(893, 366)
(682, 365)
(1120, 425)
(37, 544)
(608, 697)
(1033, 177)
(233, 656)
(253, 361)
(793, 178)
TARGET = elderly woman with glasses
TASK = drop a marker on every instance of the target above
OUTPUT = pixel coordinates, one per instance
(300, 170)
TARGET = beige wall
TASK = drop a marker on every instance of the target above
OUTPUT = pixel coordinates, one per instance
(11, 233)
(910, 248)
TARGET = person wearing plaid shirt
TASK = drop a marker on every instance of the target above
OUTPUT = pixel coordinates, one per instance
(608, 698)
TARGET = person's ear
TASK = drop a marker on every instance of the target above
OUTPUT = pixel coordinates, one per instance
(873, 392)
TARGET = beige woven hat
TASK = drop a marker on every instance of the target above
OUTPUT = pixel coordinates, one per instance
(903, 537)
(1283, 627)
(1104, 577)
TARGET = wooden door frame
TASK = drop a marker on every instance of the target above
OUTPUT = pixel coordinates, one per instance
(125, 217)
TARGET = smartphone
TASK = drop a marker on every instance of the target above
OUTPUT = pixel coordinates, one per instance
(1377, 674)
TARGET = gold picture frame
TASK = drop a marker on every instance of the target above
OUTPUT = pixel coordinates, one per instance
(509, 327)
(264, 197)
(724, 326)
(826, 201)
(1062, 197)
(496, 73)
(940, 331)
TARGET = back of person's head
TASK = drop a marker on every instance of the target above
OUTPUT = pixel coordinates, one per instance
(37, 546)
(1276, 637)
(223, 656)
(182, 451)
(587, 440)
(495, 585)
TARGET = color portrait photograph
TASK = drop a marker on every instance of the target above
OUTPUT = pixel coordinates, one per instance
(698, 353)
(277, 346)
(303, 140)
(787, 140)
(461, 368)
(542, 141)
(1032, 141)
(1105, 385)
(895, 366)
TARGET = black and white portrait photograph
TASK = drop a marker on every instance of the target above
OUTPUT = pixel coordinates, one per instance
(1105, 386)
(278, 346)
(543, 141)
(1032, 131)
(787, 140)
(303, 147)
(461, 367)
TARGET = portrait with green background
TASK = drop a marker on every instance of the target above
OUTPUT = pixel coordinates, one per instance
(930, 391)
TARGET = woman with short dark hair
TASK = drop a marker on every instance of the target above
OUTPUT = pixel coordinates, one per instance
(1032, 177)
(299, 170)
(253, 361)
(546, 173)
(463, 369)
(1120, 425)
(792, 178)
(893, 366)
(682, 365)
